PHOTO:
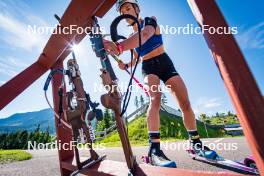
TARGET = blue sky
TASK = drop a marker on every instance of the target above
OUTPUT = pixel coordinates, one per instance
(189, 53)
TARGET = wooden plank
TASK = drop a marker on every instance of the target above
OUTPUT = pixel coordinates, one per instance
(111, 168)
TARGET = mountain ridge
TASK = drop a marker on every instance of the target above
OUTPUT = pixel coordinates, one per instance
(28, 121)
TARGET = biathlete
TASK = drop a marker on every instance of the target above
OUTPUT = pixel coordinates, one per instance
(156, 66)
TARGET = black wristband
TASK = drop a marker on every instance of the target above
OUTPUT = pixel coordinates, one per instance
(126, 66)
(151, 22)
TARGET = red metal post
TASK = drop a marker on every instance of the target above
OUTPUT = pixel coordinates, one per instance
(238, 79)
(64, 135)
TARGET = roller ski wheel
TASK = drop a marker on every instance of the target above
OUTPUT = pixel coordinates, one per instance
(158, 160)
(145, 159)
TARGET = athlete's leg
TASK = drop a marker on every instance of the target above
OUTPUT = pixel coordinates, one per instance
(153, 118)
(180, 93)
(157, 156)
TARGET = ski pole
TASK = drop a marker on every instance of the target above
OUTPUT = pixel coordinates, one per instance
(117, 59)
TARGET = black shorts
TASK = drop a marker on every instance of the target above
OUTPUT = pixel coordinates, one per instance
(161, 66)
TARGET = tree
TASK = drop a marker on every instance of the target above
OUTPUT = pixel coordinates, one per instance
(100, 126)
(106, 122)
(203, 117)
(107, 118)
(205, 120)
(136, 102)
(142, 101)
(23, 139)
(229, 113)
(112, 113)
(47, 137)
(37, 134)
(3, 138)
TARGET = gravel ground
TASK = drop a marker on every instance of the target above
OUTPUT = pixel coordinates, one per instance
(45, 163)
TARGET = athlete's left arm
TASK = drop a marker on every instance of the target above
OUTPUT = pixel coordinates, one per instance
(147, 31)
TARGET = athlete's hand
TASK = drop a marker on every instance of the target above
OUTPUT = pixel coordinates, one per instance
(121, 65)
(110, 47)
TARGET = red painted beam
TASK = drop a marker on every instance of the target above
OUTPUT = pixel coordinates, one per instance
(18, 84)
(238, 79)
(64, 134)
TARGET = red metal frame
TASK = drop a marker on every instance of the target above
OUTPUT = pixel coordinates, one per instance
(242, 88)
(64, 135)
(238, 79)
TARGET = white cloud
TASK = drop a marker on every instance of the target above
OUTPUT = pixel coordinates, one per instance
(15, 16)
(10, 66)
(208, 105)
(14, 7)
(13, 62)
(16, 34)
(6, 70)
(252, 38)
(212, 103)
(15, 31)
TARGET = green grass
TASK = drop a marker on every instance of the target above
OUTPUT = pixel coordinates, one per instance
(171, 129)
(133, 143)
(220, 120)
(7, 156)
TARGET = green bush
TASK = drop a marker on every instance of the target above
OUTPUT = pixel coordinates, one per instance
(19, 139)
(170, 127)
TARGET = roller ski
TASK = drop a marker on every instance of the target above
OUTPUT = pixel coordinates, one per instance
(156, 157)
(210, 156)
